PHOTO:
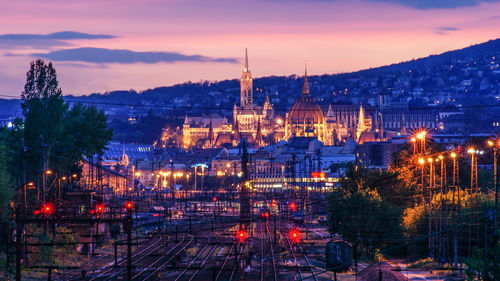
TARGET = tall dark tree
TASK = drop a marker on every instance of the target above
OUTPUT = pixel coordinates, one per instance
(56, 137)
(43, 110)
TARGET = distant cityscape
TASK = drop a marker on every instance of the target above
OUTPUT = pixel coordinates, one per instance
(332, 162)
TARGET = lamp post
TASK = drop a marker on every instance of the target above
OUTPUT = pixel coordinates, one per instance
(195, 174)
(44, 179)
(495, 182)
(59, 185)
(421, 161)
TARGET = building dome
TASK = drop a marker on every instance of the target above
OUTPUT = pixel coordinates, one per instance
(305, 110)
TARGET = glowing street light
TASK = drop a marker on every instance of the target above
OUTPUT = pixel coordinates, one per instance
(421, 161)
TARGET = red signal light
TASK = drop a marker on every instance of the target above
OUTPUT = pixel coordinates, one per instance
(241, 235)
(214, 199)
(295, 235)
(265, 215)
(273, 203)
(100, 208)
(36, 212)
(129, 206)
(293, 206)
(47, 209)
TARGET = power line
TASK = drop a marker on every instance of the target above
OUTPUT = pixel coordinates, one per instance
(185, 107)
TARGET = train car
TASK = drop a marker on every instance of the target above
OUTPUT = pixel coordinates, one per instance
(338, 254)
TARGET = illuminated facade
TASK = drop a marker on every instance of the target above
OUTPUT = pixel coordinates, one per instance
(252, 122)
(250, 119)
(305, 118)
(260, 126)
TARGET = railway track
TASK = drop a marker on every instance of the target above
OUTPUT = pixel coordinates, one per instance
(219, 273)
(148, 272)
(273, 258)
(136, 257)
(195, 259)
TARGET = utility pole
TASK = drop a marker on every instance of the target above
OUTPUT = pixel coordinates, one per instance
(19, 230)
(129, 244)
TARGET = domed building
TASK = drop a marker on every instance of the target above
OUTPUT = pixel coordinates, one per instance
(305, 118)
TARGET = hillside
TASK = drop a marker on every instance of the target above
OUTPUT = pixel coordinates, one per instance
(441, 78)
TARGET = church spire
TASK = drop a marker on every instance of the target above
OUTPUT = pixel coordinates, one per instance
(305, 88)
(258, 136)
(245, 68)
(361, 122)
(246, 85)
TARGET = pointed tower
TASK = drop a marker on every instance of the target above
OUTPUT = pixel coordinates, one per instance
(258, 136)
(361, 123)
(246, 85)
(124, 160)
(305, 87)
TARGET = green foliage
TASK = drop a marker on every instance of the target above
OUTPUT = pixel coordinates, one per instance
(359, 212)
(55, 136)
(43, 110)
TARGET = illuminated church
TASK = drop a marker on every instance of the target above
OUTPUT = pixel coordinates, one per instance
(252, 121)
(260, 126)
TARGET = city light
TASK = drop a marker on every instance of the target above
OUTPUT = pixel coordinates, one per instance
(129, 205)
(453, 155)
(421, 161)
(100, 208)
(413, 139)
(48, 172)
(265, 215)
(295, 235)
(47, 209)
(430, 160)
(241, 235)
(292, 206)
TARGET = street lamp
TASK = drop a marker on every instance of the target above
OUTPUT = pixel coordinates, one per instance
(495, 181)
(59, 185)
(431, 178)
(44, 179)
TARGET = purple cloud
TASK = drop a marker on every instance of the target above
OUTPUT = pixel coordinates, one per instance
(102, 55)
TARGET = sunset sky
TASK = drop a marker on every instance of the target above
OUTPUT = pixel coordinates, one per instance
(105, 45)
